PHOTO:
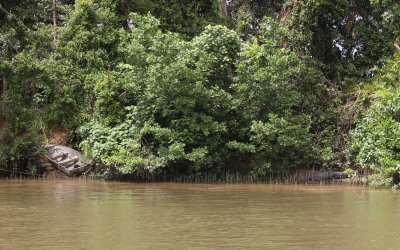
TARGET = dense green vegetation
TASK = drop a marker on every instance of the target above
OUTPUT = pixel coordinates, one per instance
(193, 87)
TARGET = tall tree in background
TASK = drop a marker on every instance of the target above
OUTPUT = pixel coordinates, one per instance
(187, 18)
(54, 12)
(347, 37)
(26, 44)
(223, 7)
(246, 15)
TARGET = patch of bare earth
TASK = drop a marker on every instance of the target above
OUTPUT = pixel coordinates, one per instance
(59, 135)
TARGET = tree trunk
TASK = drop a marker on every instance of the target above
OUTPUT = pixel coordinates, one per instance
(53, 10)
(2, 82)
(2, 93)
(1, 90)
(222, 7)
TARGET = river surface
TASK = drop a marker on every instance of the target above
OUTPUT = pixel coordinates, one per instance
(76, 214)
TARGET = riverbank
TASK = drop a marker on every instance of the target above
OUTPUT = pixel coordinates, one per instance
(304, 176)
(111, 174)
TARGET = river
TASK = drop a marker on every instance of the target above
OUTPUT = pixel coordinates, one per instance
(76, 214)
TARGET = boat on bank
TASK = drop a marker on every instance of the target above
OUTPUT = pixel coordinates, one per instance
(67, 160)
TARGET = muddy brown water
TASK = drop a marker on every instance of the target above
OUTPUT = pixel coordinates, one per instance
(76, 214)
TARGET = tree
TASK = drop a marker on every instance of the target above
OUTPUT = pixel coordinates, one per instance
(165, 102)
(246, 15)
(347, 37)
(188, 18)
(374, 143)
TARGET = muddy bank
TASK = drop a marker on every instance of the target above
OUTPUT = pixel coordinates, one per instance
(99, 172)
(305, 176)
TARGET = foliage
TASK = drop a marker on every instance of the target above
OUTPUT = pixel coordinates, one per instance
(380, 181)
(266, 91)
(282, 144)
(246, 15)
(169, 99)
(191, 105)
(347, 37)
(375, 140)
(165, 87)
(350, 173)
(280, 96)
(187, 18)
(29, 89)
